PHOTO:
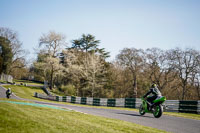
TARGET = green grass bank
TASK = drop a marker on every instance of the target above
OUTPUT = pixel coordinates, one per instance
(23, 118)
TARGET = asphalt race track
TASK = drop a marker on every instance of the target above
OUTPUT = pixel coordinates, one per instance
(167, 123)
(3, 93)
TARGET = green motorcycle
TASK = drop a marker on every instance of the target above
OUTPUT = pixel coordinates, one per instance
(156, 108)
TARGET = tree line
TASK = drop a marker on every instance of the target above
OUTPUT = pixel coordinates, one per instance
(12, 55)
(81, 69)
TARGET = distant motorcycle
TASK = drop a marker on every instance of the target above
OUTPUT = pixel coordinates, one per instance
(8, 93)
(156, 108)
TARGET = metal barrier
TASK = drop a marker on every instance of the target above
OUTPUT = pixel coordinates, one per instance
(171, 105)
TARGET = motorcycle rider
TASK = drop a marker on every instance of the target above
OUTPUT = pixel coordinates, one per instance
(8, 92)
(155, 93)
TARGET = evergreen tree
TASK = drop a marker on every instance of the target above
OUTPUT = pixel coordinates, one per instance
(6, 55)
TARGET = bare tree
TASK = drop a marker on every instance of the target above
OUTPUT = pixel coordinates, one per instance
(196, 84)
(52, 43)
(196, 75)
(132, 59)
(122, 80)
(185, 63)
(159, 69)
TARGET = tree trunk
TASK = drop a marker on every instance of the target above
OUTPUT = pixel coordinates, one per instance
(51, 81)
(93, 84)
(183, 93)
(198, 91)
(135, 87)
(77, 91)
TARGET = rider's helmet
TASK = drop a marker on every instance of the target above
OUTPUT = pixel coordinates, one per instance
(153, 85)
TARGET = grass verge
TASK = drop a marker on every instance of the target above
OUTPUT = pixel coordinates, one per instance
(22, 118)
(185, 115)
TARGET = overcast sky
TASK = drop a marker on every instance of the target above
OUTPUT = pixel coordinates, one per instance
(117, 24)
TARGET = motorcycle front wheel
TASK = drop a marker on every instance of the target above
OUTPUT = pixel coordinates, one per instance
(141, 110)
(157, 111)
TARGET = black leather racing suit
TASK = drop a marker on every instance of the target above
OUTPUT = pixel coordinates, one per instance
(155, 93)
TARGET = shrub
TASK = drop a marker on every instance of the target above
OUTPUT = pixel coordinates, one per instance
(69, 90)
